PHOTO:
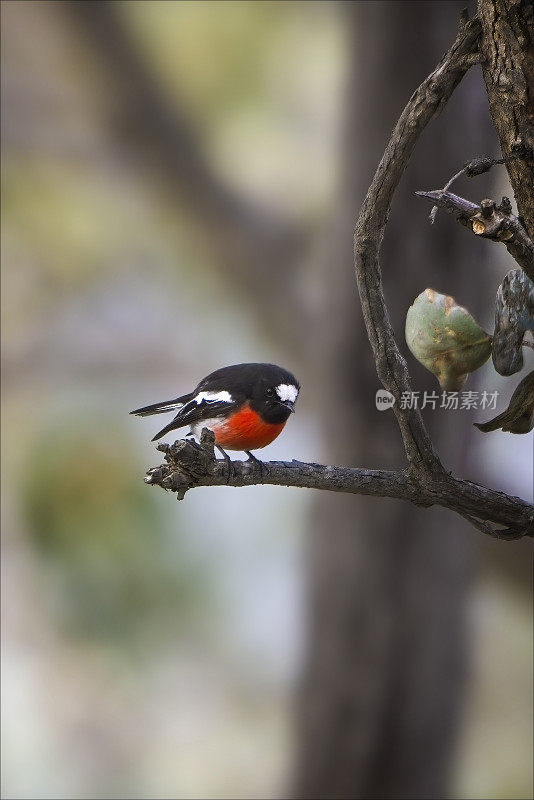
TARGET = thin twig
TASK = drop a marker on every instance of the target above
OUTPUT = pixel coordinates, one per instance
(477, 166)
(434, 210)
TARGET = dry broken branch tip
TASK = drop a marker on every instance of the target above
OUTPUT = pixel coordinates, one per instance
(491, 221)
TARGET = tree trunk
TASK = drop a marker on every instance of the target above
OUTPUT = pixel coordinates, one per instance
(507, 48)
(385, 661)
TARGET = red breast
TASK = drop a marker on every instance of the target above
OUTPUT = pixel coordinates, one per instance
(245, 430)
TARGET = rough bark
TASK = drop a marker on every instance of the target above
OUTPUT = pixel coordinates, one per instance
(507, 49)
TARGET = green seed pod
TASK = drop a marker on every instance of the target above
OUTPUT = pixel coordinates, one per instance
(445, 338)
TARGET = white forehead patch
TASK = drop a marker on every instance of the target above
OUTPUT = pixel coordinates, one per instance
(211, 397)
(286, 391)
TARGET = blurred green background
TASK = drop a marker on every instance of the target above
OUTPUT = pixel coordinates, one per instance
(150, 648)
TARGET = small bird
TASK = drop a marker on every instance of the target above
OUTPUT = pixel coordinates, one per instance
(245, 405)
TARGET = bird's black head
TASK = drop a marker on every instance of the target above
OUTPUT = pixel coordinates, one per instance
(274, 393)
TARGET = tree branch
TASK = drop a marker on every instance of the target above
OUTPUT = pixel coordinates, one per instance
(425, 104)
(189, 464)
(491, 222)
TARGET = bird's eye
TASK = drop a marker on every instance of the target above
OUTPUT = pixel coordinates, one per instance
(270, 392)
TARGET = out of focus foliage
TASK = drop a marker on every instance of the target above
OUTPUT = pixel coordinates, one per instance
(115, 567)
(279, 83)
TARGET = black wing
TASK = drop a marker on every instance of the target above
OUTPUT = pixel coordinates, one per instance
(193, 412)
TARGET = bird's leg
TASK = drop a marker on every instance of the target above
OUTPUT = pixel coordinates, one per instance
(252, 457)
(227, 459)
(223, 452)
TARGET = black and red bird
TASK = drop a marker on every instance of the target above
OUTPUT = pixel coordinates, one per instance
(245, 405)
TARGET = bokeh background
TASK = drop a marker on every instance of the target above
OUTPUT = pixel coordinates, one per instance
(180, 181)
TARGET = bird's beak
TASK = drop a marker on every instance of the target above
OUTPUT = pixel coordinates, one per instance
(288, 404)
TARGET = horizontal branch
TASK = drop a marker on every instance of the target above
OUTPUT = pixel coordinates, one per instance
(490, 221)
(189, 464)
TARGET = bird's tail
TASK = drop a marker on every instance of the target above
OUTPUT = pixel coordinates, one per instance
(162, 408)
